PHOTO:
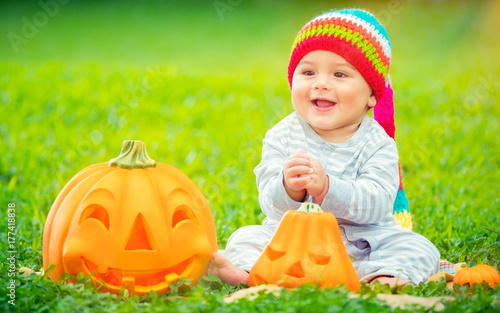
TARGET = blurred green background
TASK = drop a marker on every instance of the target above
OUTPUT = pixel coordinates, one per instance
(200, 82)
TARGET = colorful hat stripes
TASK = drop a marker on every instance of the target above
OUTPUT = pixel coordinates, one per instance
(358, 37)
(353, 34)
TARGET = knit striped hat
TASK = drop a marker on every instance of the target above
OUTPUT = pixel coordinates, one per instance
(358, 37)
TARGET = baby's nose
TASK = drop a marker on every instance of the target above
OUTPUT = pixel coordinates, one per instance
(322, 83)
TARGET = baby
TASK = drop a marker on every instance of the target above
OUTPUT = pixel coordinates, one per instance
(328, 151)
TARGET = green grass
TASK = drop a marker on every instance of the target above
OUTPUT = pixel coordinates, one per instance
(201, 89)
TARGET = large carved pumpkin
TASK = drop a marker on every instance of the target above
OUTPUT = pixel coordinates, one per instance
(132, 222)
(306, 248)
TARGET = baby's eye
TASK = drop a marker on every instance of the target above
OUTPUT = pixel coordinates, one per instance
(308, 73)
(339, 74)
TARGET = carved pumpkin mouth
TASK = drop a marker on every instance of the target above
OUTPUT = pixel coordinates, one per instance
(134, 280)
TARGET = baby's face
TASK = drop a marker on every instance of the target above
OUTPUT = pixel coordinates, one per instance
(330, 94)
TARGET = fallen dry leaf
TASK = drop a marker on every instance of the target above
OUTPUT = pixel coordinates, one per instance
(175, 298)
(28, 271)
(252, 293)
(401, 301)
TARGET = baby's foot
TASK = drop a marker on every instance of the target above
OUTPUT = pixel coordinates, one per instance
(226, 271)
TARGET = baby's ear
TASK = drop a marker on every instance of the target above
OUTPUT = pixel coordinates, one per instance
(372, 100)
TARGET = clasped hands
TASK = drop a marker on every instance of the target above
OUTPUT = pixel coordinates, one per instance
(304, 174)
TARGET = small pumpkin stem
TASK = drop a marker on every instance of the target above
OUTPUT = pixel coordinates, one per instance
(310, 208)
(133, 155)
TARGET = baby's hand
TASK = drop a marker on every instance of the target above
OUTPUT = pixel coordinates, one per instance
(297, 174)
(319, 184)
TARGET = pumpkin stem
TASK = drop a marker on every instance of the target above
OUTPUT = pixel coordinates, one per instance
(310, 208)
(133, 155)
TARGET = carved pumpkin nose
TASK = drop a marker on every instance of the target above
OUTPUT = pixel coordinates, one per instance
(140, 236)
(296, 270)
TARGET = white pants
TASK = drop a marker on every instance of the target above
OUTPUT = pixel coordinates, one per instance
(376, 250)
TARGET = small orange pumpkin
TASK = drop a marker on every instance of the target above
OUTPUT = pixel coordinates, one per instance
(132, 222)
(306, 248)
(476, 275)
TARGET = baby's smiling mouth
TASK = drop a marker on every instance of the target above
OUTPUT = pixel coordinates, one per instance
(323, 104)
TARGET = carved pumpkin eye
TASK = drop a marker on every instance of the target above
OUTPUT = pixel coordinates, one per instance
(96, 212)
(273, 255)
(319, 259)
(183, 214)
